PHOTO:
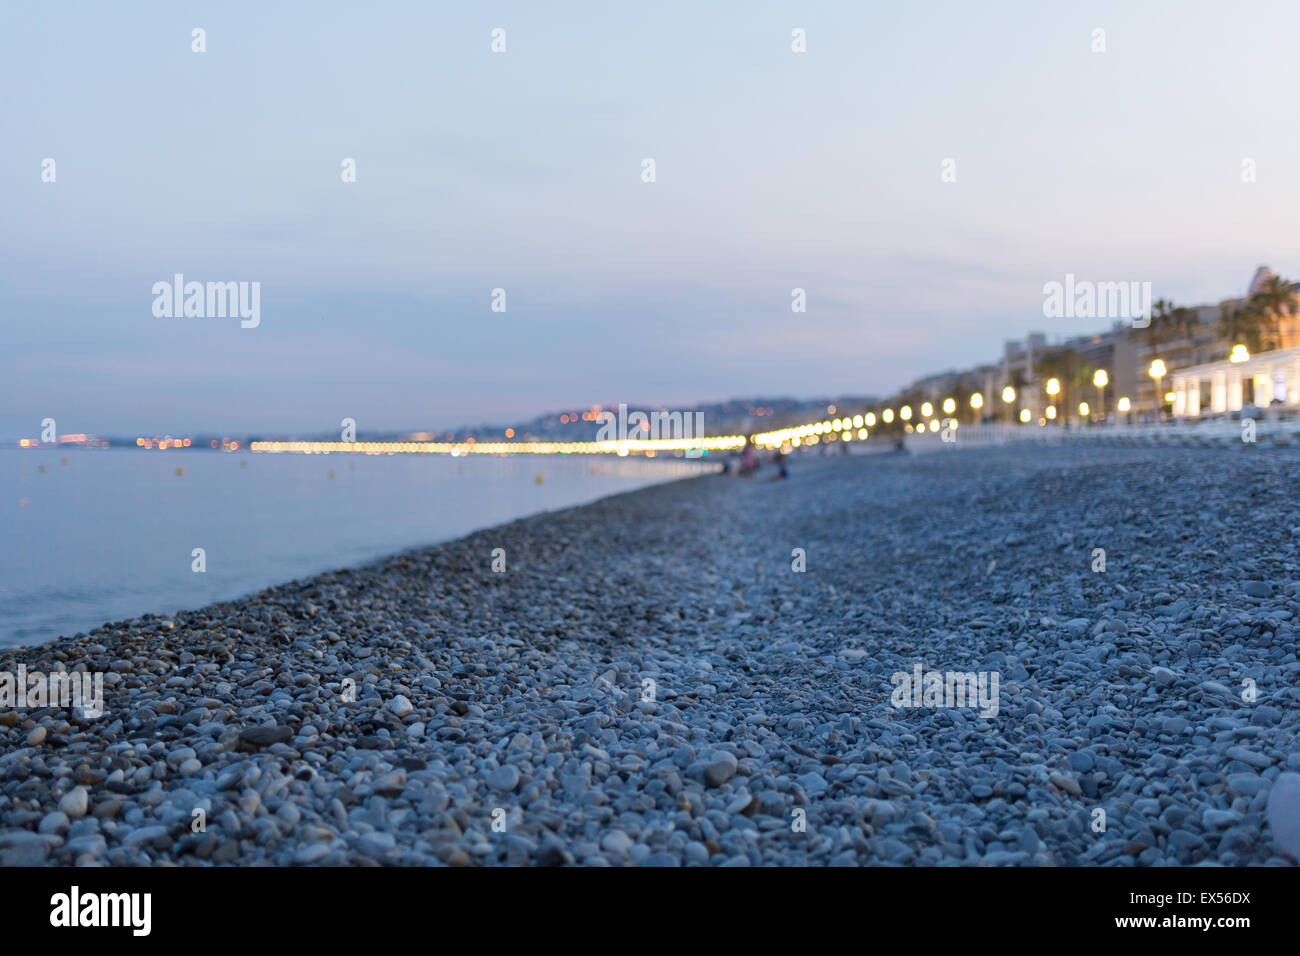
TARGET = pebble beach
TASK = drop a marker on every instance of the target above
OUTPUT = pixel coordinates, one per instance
(650, 680)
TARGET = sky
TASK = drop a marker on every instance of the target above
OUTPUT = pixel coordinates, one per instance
(522, 170)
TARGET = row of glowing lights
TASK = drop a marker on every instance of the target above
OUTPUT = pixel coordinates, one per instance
(162, 444)
(649, 446)
(847, 428)
(844, 429)
(810, 433)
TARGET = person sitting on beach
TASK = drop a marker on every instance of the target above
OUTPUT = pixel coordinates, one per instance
(748, 460)
(778, 459)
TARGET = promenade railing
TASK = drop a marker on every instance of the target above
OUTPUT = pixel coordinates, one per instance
(1184, 432)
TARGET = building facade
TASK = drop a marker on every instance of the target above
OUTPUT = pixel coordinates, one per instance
(1191, 343)
(1269, 379)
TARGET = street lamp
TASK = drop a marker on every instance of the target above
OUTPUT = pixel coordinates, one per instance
(1100, 378)
(1053, 389)
(1157, 372)
(949, 406)
(1083, 409)
(1239, 354)
(1009, 398)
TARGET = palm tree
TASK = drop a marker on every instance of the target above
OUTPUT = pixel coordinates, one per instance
(1184, 322)
(961, 395)
(1241, 324)
(1271, 304)
(1079, 379)
(1158, 326)
(1229, 319)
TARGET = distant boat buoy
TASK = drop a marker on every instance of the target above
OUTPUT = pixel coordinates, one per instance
(179, 471)
(538, 479)
(63, 460)
(331, 472)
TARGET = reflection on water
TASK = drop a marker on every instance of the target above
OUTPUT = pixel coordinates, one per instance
(95, 536)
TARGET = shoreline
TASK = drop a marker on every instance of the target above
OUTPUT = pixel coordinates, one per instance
(261, 522)
(769, 694)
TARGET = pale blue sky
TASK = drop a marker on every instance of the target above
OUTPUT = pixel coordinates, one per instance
(522, 171)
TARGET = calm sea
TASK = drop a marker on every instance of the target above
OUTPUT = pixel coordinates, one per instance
(102, 535)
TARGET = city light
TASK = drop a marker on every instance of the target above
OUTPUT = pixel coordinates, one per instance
(622, 448)
(838, 429)
(1239, 354)
(1157, 373)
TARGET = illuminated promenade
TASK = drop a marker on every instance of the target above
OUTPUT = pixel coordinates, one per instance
(919, 432)
(846, 429)
(643, 446)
